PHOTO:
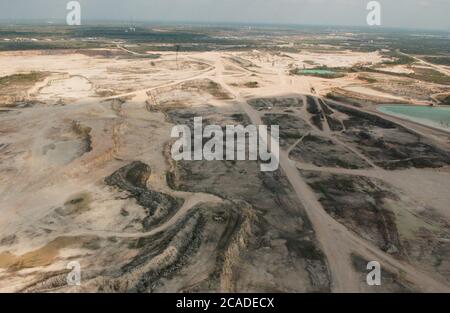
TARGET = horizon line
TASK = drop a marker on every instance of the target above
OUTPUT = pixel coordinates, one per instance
(90, 22)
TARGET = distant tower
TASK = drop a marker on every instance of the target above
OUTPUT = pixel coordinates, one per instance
(131, 26)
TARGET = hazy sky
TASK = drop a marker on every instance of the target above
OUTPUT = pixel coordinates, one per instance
(430, 14)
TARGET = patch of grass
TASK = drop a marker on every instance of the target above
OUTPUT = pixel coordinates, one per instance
(398, 58)
(152, 56)
(424, 74)
(430, 75)
(13, 88)
(251, 84)
(444, 99)
(309, 62)
(55, 45)
(22, 79)
(440, 60)
(367, 79)
(216, 90)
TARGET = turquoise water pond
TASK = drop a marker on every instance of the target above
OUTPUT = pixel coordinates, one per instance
(438, 117)
(315, 71)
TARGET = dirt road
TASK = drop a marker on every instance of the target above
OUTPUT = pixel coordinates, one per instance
(338, 243)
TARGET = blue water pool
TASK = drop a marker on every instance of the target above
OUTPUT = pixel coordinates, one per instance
(438, 117)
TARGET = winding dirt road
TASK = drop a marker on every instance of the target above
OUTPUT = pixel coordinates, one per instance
(338, 243)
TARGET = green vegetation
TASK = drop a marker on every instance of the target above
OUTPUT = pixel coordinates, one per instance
(440, 60)
(399, 58)
(32, 77)
(367, 79)
(444, 99)
(430, 75)
(13, 87)
(45, 37)
(151, 56)
(251, 85)
(20, 80)
(200, 38)
(56, 45)
(323, 72)
(423, 74)
(216, 90)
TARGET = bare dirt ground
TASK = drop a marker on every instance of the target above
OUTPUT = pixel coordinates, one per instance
(86, 175)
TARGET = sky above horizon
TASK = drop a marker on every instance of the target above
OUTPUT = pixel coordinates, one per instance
(422, 14)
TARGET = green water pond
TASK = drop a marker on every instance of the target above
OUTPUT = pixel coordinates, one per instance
(432, 116)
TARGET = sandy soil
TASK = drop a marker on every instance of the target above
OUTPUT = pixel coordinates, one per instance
(373, 93)
(58, 151)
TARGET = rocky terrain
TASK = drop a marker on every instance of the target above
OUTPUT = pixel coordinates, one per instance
(86, 174)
